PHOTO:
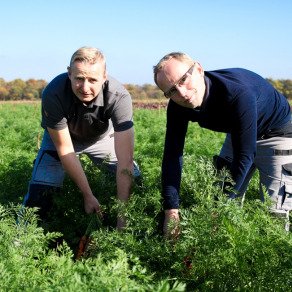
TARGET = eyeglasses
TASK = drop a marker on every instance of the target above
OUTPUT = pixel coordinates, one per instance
(172, 91)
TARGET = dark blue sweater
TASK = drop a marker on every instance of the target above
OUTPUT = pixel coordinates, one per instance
(237, 101)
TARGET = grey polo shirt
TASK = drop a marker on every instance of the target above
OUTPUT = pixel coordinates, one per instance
(87, 124)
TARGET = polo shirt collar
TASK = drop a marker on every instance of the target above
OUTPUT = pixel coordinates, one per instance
(98, 101)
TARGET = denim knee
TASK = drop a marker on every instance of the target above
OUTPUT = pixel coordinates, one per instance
(40, 196)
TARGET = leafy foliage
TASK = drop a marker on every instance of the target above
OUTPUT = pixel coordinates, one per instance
(19, 89)
(223, 246)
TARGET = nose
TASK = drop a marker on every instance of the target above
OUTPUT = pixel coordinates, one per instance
(85, 85)
(181, 90)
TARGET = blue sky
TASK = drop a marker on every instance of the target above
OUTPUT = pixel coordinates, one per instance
(38, 37)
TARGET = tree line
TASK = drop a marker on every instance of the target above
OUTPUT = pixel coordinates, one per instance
(31, 89)
(19, 89)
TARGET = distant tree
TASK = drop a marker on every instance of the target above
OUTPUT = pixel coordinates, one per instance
(32, 89)
(30, 93)
(283, 85)
(153, 91)
(21, 90)
(16, 88)
(3, 90)
(146, 91)
(287, 88)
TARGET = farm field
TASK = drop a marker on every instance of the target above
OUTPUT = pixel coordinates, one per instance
(223, 246)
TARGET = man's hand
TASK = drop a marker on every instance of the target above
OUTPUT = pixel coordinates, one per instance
(91, 204)
(171, 224)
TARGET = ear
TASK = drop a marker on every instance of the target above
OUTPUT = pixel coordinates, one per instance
(69, 72)
(104, 76)
(199, 68)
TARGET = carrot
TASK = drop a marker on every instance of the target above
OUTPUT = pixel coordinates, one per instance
(86, 238)
(81, 247)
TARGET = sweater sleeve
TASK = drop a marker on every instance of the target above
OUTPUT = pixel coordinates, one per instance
(172, 162)
(243, 136)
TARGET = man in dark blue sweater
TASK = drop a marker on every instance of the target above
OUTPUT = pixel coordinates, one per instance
(255, 116)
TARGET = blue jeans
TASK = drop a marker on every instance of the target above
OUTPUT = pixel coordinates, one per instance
(48, 173)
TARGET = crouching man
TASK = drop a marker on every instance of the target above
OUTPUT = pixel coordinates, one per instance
(84, 111)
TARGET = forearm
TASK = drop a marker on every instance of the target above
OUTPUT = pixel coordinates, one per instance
(124, 178)
(74, 169)
(71, 164)
(124, 146)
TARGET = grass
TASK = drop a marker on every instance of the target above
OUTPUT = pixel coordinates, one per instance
(223, 246)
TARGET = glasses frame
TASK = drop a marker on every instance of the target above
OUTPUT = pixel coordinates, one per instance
(172, 90)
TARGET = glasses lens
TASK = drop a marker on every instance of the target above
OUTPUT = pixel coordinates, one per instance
(170, 92)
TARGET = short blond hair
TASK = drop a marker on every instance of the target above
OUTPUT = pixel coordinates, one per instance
(182, 57)
(88, 54)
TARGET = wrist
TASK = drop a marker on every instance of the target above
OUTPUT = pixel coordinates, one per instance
(87, 195)
(170, 212)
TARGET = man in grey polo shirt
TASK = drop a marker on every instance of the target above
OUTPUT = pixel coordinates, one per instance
(84, 111)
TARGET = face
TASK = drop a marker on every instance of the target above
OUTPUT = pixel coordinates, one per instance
(183, 83)
(86, 80)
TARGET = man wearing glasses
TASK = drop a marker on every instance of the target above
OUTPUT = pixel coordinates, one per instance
(255, 116)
